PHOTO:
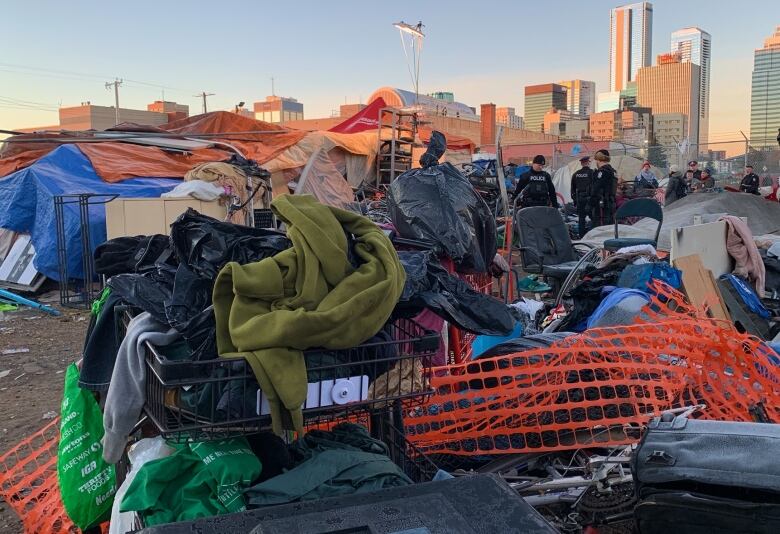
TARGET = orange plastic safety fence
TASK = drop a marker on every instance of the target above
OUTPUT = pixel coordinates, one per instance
(28, 482)
(600, 387)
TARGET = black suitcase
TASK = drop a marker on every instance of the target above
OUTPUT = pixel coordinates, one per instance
(710, 477)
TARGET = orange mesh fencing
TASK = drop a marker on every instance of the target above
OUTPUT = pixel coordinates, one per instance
(599, 388)
(28, 482)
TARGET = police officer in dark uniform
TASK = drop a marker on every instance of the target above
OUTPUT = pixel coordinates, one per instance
(535, 187)
(694, 166)
(581, 186)
(602, 199)
(750, 182)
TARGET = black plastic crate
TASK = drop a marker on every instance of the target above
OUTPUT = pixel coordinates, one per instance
(264, 218)
(214, 399)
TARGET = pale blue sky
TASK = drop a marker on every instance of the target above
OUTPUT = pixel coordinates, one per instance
(323, 52)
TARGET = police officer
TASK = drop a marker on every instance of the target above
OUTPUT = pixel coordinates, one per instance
(535, 187)
(750, 182)
(602, 199)
(694, 166)
(581, 185)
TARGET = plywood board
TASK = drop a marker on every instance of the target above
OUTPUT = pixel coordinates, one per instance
(708, 241)
(17, 270)
(699, 285)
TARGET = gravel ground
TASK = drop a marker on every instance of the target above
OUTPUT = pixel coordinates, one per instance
(35, 350)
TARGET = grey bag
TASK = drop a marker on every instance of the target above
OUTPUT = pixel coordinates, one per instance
(707, 476)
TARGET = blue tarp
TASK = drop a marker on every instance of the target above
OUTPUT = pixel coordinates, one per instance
(27, 204)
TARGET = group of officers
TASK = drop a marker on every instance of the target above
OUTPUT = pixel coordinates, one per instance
(593, 190)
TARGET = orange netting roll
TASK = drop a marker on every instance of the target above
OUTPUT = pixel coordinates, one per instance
(28, 482)
(600, 387)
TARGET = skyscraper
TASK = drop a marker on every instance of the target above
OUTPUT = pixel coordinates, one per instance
(765, 93)
(695, 45)
(630, 42)
(580, 96)
(672, 87)
(539, 99)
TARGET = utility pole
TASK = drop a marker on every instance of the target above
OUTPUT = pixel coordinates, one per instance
(204, 95)
(273, 91)
(116, 83)
(747, 147)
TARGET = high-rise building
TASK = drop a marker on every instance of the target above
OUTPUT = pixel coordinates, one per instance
(630, 42)
(672, 87)
(668, 131)
(765, 93)
(580, 96)
(278, 109)
(539, 99)
(507, 117)
(695, 45)
(608, 101)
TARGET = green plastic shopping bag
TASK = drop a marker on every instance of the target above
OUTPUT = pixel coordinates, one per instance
(87, 483)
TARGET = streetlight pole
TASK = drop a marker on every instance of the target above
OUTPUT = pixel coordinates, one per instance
(747, 147)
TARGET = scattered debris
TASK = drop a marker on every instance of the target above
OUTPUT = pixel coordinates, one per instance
(5, 373)
(50, 415)
(22, 350)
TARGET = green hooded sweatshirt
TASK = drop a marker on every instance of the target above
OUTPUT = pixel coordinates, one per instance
(305, 297)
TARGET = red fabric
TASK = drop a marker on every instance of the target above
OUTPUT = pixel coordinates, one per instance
(115, 162)
(362, 121)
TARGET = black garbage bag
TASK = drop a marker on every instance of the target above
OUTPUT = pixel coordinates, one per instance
(130, 254)
(189, 311)
(429, 285)
(439, 204)
(205, 244)
(148, 291)
(436, 148)
(520, 344)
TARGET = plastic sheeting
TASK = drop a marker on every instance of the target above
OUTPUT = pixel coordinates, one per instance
(27, 204)
(438, 204)
(321, 179)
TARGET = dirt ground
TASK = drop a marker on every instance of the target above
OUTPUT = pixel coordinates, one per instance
(30, 394)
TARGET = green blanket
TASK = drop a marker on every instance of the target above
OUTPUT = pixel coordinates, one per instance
(307, 296)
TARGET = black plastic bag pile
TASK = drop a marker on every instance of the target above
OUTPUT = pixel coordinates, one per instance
(176, 289)
(436, 203)
(429, 285)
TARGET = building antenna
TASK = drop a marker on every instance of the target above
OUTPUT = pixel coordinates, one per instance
(204, 95)
(116, 83)
(273, 90)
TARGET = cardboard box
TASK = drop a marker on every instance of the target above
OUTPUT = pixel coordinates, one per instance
(147, 216)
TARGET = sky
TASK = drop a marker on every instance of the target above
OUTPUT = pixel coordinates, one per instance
(328, 53)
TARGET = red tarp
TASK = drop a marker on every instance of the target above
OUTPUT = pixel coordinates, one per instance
(362, 121)
(368, 119)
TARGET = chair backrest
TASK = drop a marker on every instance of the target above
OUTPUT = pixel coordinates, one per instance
(641, 207)
(543, 237)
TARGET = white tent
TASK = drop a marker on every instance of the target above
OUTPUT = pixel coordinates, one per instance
(627, 168)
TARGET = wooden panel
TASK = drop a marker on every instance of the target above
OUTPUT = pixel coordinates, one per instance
(700, 286)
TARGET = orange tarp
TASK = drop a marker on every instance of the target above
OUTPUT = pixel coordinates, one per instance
(260, 147)
(21, 160)
(115, 162)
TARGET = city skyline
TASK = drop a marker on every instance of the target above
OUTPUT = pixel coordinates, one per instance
(320, 65)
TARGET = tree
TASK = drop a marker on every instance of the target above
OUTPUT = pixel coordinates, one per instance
(656, 155)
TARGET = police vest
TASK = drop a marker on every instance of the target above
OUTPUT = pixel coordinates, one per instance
(537, 187)
(583, 179)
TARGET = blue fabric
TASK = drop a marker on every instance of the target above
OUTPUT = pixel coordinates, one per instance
(749, 296)
(639, 276)
(27, 204)
(484, 343)
(617, 295)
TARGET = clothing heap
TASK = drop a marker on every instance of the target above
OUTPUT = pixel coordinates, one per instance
(217, 290)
